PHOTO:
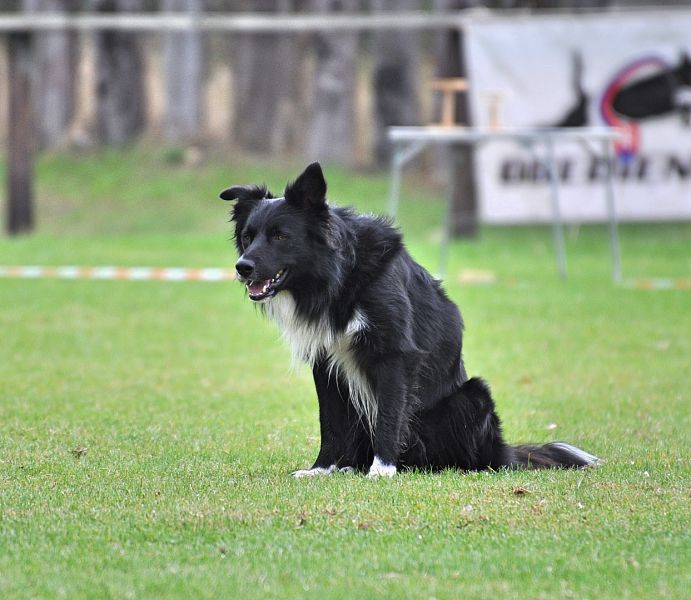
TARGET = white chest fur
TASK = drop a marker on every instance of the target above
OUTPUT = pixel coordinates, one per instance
(310, 341)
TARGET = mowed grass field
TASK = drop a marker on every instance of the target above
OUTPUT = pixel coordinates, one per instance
(148, 429)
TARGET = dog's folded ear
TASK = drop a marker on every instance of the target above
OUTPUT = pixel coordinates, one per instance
(233, 193)
(247, 197)
(309, 189)
(246, 192)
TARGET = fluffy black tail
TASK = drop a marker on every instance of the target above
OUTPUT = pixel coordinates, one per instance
(464, 431)
(555, 455)
(552, 455)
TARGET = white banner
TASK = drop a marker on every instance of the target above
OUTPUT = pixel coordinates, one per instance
(630, 70)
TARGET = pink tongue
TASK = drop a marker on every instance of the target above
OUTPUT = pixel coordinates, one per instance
(256, 288)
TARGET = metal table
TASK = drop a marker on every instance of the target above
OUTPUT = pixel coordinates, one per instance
(408, 142)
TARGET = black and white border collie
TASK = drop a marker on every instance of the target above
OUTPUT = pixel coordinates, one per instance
(381, 336)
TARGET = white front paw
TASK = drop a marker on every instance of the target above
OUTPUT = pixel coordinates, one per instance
(380, 469)
(314, 472)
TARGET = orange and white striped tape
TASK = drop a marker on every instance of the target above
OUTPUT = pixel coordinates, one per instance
(220, 274)
(660, 284)
(118, 273)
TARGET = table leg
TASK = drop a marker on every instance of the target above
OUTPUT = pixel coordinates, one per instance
(612, 213)
(395, 182)
(399, 157)
(446, 233)
(557, 227)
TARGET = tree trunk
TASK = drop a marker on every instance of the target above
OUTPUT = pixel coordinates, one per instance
(120, 95)
(183, 66)
(264, 67)
(396, 57)
(291, 119)
(54, 76)
(461, 160)
(330, 132)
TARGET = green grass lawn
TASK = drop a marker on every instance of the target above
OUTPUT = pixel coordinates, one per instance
(148, 429)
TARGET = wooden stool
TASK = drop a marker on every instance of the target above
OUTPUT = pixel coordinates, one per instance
(493, 102)
(449, 88)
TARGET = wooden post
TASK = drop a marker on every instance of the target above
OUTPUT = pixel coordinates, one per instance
(396, 59)
(465, 218)
(464, 221)
(330, 134)
(20, 209)
(451, 64)
(183, 62)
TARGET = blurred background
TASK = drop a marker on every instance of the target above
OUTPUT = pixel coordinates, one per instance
(192, 98)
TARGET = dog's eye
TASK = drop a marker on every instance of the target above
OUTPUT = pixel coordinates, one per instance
(278, 236)
(245, 239)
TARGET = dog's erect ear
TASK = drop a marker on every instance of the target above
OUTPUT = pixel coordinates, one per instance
(309, 189)
(247, 196)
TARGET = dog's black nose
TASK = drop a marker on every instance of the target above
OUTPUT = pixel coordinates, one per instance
(244, 267)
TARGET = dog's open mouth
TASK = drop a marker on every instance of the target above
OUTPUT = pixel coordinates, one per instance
(260, 290)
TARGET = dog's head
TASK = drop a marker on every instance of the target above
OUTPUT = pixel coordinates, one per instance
(276, 237)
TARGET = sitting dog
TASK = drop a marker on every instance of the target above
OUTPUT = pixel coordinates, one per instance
(382, 338)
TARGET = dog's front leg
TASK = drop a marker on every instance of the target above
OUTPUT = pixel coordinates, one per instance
(333, 423)
(393, 408)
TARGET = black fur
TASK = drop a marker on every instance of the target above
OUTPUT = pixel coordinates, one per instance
(371, 313)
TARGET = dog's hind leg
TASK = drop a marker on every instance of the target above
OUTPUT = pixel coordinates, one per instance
(464, 431)
(461, 431)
